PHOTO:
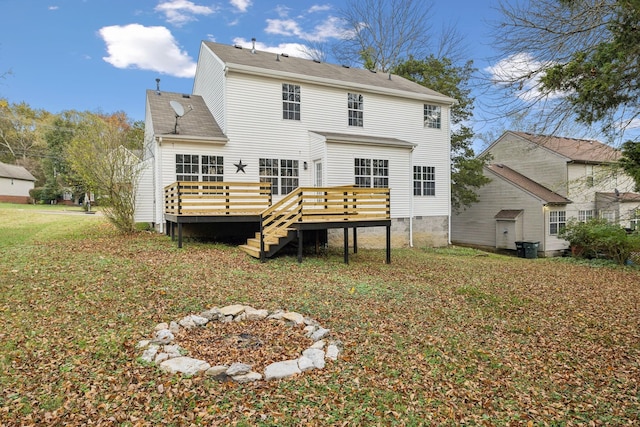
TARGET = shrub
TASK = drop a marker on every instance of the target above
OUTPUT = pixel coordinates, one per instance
(597, 238)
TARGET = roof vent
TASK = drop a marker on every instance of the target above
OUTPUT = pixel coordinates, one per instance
(345, 66)
(285, 55)
(253, 47)
(237, 46)
(500, 165)
(389, 76)
(278, 57)
(373, 71)
(186, 95)
(158, 86)
(317, 61)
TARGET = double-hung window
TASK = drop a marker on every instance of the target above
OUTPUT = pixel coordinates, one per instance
(432, 116)
(193, 167)
(634, 219)
(586, 215)
(371, 173)
(355, 108)
(557, 222)
(212, 169)
(283, 174)
(290, 101)
(424, 181)
(187, 166)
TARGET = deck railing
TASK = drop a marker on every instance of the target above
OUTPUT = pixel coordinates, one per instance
(323, 204)
(217, 198)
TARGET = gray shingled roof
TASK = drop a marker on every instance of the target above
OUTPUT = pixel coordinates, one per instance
(528, 185)
(307, 69)
(197, 123)
(578, 150)
(15, 172)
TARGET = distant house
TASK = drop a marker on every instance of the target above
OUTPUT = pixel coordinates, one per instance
(537, 184)
(15, 183)
(289, 124)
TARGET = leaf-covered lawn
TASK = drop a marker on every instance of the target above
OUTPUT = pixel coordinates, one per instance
(441, 337)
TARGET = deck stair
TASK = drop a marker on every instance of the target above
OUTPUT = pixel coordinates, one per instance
(275, 231)
(280, 223)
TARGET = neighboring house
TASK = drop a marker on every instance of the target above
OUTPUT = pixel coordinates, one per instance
(261, 117)
(15, 183)
(537, 184)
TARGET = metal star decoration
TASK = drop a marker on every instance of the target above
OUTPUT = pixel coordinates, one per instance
(240, 166)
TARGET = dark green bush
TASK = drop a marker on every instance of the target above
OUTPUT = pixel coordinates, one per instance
(598, 238)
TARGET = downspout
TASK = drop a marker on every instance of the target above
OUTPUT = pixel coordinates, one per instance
(411, 197)
(158, 201)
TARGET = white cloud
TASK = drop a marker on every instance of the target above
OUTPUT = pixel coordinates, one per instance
(179, 12)
(525, 69)
(54, 7)
(241, 5)
(146, 48)
(319, 8)
(294, 49)
(283, 27)
(330, 28)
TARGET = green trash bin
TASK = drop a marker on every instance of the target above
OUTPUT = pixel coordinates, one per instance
(520, 249)
(530, 249)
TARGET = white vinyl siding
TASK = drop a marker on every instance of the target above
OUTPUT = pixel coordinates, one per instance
(210, 84)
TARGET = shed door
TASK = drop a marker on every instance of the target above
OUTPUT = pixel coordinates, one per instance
(506, 234)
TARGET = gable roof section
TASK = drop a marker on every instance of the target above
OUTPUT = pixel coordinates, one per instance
(348, 138)
(281, 66)
(528, 185)
(197, 123)
(15, 172)
(577, 150)
(622, 197)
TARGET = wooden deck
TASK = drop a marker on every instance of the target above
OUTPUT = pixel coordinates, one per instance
(304, 209)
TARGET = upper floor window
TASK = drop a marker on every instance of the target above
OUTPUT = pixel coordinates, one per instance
(557, 222)
(355, 107)
(371, 173)
(432, 116)
(290, 101)
(282, 174)
(424, 181)
(589, 176)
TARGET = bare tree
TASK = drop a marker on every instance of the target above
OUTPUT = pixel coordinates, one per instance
(381, 33)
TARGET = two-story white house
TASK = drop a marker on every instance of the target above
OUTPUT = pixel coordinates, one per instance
(537, 184)
(262, 117)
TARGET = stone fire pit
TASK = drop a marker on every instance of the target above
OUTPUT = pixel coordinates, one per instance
(165, 351)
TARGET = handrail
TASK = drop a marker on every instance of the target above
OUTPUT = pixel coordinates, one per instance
(322, 204)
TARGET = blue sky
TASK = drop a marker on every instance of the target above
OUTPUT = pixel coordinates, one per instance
(101, 55)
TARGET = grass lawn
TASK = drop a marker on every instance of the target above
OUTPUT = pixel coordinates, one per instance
(438, 337)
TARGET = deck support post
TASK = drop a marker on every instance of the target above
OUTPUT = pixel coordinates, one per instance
(388, 244)
(179, 235)
(355, 240)
(299, 246)
(346, 245)
(262, 254)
